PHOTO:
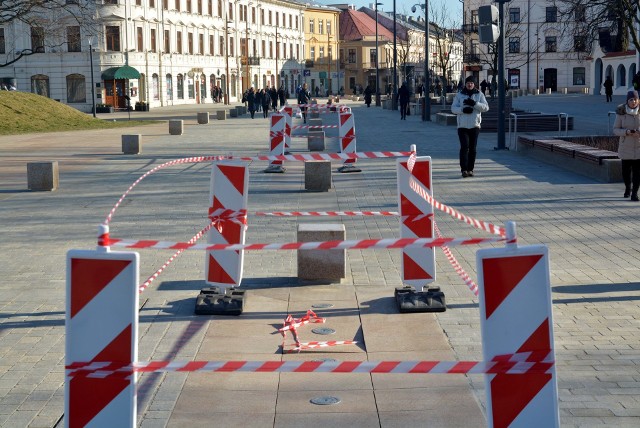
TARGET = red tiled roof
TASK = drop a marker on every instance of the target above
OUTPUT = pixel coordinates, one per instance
(354, 25)
(615, 54)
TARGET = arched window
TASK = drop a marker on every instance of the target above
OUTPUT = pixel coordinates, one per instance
(621, 76)
(76, 90)
(169, 87)
(40, 85)
(180, 84)
(191, 87)
(155, 89)
(632, 73)
(255, 81)
(233, 85)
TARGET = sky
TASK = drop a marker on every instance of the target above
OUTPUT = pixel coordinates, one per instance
(454, 7)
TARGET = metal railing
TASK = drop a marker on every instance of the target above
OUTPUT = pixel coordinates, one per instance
(513, 127)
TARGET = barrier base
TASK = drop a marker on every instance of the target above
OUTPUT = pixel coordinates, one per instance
(278, 169)
(349, 168)
(409, 300)
(216, 301)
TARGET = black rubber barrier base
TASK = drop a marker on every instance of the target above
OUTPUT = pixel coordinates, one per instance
(409, 300)
(213, 301)
(349, 168)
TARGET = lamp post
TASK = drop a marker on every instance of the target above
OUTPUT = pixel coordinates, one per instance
(226, 54)
(394, 102)
(426, 111)
(378, 103)
(93, 85)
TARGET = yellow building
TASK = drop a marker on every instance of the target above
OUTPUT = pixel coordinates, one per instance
(321, 66)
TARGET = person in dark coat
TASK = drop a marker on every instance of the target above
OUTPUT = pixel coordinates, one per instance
(483, 87)
(273, 94)
(259, 100)
(608, 88)
(303, 100)
(403, 97)
(281, 95)
(251, 101)
(367, 96)
(266, 102)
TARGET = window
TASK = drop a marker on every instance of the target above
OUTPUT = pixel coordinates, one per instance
(179, 41)
(169, 87)
(230, 15)
(296, 22)
(154, 47)
(140, 46)
(372, 56)
(210, 2)
(112, 36)
(550, 44)
(514, 14)
(200, 7)
(180, 86)
(262, 16)
(37, 39)
(328, 27)
(190, 43)
(270, 16)
(552, 14)
(189, 6)
(221, 48)
(312, 26)
(270, 49)
(178, 5)
(253, 15)
(167, 42)
(2, 42)
(76, 90)
(514, 44)
(232, 50)
(220, 8)
(138, 2)
(263, 52)
(201, 44)
(165, 4)
(312, 53)
(351, 56)
(579, 76)
(321, 55)
(40, 85)
(73, 39)
(211, 51)
(243, 47)
(580, 43)
(581, 13)
(152, 3)
(154, 87)
(320, 26)
(291, 50)
(277, 19)
(330, 52)
(290, 21)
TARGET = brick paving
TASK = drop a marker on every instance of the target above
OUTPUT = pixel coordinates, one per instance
(591, 231)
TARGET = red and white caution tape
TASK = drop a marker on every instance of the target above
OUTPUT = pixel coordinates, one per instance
(322, 156)
(488, 227)
(321, 106)
(313, 126)
(454, 262)
(364, 244)
(314, 345)
(325, 213)
(103, 369)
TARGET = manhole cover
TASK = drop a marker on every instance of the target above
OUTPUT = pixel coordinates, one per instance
(322, 306)
(323, 330)
(325, 400)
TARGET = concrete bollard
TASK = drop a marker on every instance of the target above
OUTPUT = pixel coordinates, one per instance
(317, 176)
(221, 114)
(548, 91)
(315, 141)
(321, 264)
(203, 118)
(314, 122)
(176, 127)
(233, 112)
(42, 175)
(132, 144)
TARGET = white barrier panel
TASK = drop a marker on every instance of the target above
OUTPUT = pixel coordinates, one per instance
(277, 137)
(515, 316)
(347, 133)
(287, 110)
(416, 221)
(229, 190)
(101, 325)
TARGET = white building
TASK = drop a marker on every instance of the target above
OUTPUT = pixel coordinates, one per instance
(177, 51)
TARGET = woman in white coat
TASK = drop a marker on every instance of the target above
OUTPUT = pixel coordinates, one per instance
(468, 104)
(627, 127)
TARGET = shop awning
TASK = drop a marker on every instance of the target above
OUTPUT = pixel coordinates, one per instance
(124, 72)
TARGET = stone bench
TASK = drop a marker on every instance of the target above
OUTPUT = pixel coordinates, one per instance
(42, 176)
(221, 115)
(317, 176)
(132, 144)
(448, 119)
(176, 127)
(601, 165)
(203, 118)
(321, 264)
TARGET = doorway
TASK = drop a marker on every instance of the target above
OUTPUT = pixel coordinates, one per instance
(551, 79)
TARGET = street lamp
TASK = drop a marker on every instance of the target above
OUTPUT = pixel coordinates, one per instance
(426, 111)
(93, 85)
(378, 103)
(394, 102)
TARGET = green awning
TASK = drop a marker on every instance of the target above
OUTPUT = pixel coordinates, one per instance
(124, 72)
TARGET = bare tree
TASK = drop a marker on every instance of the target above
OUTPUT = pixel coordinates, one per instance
(441, 30)
(46, 20)
(612, 23)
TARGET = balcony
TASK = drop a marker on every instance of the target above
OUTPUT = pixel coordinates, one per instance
(253, 60)
(469, 28)
(471, 58)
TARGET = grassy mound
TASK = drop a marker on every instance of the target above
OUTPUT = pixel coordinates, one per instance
(25, 113)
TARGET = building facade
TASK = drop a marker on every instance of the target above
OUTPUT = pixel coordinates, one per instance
(170, 52)
(322, 44)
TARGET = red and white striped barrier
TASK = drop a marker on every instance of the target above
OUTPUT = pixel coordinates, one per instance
(287, 111)
(418, 264)
(515, 317)
(347, 133)
(101, 325)
(277, 137)
(314, 126)
(229, 191)
(507, 366)
(325, 213)
(363, 244)
(302, 346)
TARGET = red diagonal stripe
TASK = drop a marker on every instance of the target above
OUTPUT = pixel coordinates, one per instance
(424, 367)
(511, 393)
(502, 275)
(235, 174)
(412, 270)
(308, 366)
(217, 273)
(385, 367)
(90, 277)
(346, 367)
(270, 366)
(421, 172)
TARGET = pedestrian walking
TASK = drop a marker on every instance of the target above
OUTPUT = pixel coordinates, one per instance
(273, 94)
(403, 96)
(468, 105)
(367, 96)
(251, 101)
(303, 100)
(483, 86)
(281, 95)
(627, 127)
(608, 88)
(266, 102)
